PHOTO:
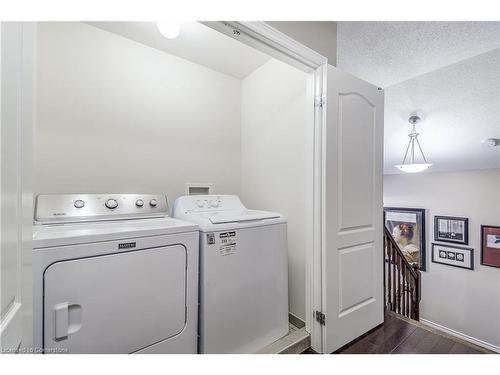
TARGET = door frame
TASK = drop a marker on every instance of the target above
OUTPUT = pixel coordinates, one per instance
(277, 44)
(16, 326)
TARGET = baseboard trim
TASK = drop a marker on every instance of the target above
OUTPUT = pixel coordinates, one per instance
(296, 321)
(461, 335)
(295, 342)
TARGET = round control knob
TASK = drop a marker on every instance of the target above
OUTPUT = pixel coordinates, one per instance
(153, 202)
(111, 203)
(199, 204)
(139, 203)
(79, 203)
(214, 203)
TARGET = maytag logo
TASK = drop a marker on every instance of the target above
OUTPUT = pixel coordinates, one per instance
(126, 245)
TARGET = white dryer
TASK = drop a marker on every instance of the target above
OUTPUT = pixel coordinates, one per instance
(113, 274)
(243, 273)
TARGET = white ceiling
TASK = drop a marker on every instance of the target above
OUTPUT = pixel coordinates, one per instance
(386, 53)
(197, 43)
(447, 72)
(460, 107)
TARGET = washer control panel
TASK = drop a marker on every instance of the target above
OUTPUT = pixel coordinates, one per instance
(208, 203)
(50, 208)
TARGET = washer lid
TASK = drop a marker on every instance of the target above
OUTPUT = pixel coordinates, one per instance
(221, 217)
(221, 212)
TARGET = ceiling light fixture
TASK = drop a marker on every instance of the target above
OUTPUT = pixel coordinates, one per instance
(169, 29)
(412, 166)
(492, 142)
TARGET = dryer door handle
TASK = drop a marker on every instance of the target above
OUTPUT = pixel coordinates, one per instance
(61, 321)
(68, 320)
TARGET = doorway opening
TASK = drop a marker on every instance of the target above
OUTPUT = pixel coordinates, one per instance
(159, 113)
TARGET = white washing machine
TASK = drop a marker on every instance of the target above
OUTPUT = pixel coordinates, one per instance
(243, 273)
(113, 274)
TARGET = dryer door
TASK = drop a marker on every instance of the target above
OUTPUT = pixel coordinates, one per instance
(116, 303)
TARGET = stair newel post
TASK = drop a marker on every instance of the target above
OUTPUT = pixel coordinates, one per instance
(408, 294)
(418, 287)
(403, 288)
(394, 286)
(385, 271)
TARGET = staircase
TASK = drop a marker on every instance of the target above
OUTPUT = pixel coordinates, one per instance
(402, 281)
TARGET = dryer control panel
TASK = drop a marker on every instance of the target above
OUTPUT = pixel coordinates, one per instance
(70, 208)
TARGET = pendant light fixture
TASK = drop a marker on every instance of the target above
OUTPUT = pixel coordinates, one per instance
(412, 165)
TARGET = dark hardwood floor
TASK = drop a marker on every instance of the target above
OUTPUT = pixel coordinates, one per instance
(399, 336)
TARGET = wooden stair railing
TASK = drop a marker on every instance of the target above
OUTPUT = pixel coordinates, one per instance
(402, 282)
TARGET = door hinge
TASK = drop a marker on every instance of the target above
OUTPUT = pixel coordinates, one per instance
(320, 317)
(320, 101)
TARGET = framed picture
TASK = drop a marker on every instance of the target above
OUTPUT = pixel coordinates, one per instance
(407, 226)
(451, 229)
(490, 245)
(461, 257)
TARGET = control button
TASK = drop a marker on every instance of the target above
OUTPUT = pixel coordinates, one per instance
(79, 203)
(153, 202)
(111, 203)
(139, 203)
(214, 203)
(199, 204)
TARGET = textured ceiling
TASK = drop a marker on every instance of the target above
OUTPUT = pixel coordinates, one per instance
(197, 43)
(386, 53)
(460, 107)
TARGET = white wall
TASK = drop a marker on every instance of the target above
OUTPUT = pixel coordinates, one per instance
(114, 115)
(277, 159)
(320, 36)
(461, 300)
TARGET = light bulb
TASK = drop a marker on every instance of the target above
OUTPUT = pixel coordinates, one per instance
(169, 29)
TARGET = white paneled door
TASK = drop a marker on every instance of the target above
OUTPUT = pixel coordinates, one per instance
(352, 273)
